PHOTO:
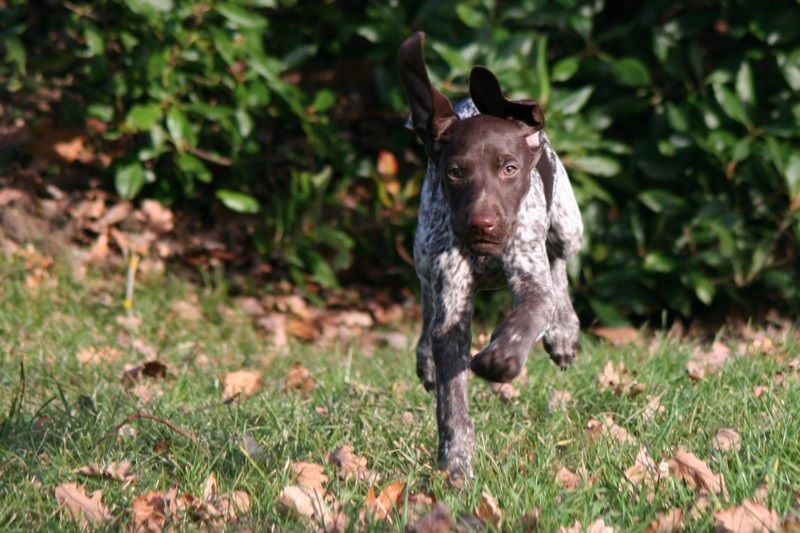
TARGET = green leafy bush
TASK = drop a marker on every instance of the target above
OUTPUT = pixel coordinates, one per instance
(677, 120)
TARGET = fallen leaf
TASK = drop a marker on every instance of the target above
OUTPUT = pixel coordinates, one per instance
(303, 330)
(242, 383)
(306, 502)
(439, 520)
(605, 426)
(599, 526)
(568, 479)
(653, 408)
(489, 511)
(300, 379)
(151, 510)
(83, 508)
(667, 522)
(152, 369)
(559, 401)
(157, 217)
(696, 473)
(380, 507)
(529, 523)
(727, 439)
(695, 370)
(618, 379)
(794, 364)
(576, 527)
(187, 310)
(349, 465)
(645, 471)
(310, 475)
(760, 390)
(749, 517)
(94, 356)
(506, 391)
(120, 471)
(617, 336)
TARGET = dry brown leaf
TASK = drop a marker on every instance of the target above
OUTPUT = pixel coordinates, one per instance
(667, 522)
(645, 471)
(157, 217)
(653, 407)
(794, 364)
(152, 369)
(310, 475)
(695, 370)
(307, 502)
(151, 510)
(379, 507)
(349, 465)
(112, 217)
(605, 426)
(83, 508)
(242, 383)
(506, 391)
(696, 473)
(568, 479)
(599, 526)
(489, 511)
(760, 390)
(303, 330)
(94, 356)
(749, 517)
(439, 520)
(120, 471)
(8, 195)
(618, 379)
(187, 310)
(559, 401)
(577, 527)
(617, 336)
(300, 379)
(727, 439)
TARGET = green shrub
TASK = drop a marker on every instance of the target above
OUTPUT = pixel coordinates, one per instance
(677, 120)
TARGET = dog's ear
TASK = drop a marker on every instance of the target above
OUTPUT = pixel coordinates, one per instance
(488, 98)
(431, 112)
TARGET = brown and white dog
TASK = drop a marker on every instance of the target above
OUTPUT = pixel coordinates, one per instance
(496, 205)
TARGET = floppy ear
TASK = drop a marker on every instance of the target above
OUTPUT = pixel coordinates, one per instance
(431, 112)
(488, 98)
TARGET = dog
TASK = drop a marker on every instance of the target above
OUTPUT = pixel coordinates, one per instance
(496, 206)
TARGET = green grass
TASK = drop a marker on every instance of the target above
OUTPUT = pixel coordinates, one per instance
(519, 446)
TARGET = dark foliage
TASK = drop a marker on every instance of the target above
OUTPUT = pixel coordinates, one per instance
(678, 121)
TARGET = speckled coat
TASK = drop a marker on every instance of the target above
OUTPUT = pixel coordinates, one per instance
(533, 265)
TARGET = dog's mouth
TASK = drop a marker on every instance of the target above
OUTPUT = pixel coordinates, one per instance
(484, 246)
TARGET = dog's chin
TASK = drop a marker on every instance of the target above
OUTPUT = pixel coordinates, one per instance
(484, 248)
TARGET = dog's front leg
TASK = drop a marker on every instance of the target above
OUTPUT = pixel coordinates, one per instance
(450, 342)
(528, 272)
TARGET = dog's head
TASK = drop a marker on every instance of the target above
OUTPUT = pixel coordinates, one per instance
(485, 161)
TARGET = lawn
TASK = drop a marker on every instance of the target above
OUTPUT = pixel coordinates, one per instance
(63, 406)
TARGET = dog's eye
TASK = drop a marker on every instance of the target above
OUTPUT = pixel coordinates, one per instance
(454, 173)
(510, 170)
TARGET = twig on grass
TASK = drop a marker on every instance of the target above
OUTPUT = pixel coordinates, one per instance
(139, 416)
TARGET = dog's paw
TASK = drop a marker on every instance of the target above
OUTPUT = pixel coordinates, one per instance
(457, 463)
(496, 365)
(562, 352)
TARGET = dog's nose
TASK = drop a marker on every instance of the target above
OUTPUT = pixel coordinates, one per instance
(483, 222)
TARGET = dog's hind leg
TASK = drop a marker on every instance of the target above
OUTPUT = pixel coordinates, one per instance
(562, 339)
